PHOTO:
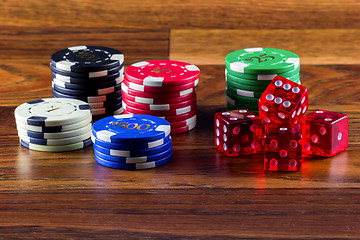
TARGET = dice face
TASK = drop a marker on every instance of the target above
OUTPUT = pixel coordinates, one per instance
(283, 101)
(282, 145)
(325, 133)
(238, 132)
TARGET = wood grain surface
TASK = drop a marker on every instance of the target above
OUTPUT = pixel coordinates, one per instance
(230, 14)
(201, 193)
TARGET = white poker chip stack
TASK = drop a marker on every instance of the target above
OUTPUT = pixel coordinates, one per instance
(54, 124)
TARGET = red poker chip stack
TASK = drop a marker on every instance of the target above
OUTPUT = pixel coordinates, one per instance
(162, 88)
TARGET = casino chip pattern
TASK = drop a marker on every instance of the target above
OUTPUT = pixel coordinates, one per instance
(92, 74)
(162, 88)
(54, 124)
(132, 141)
(249, 71)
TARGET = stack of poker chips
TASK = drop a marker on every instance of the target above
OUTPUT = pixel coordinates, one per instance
(249, 71)
(162, 88)
(54, 124)
(92, 74)
(132, 141)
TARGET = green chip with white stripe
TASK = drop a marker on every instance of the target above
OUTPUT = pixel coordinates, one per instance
(254, 82)
(261, 61)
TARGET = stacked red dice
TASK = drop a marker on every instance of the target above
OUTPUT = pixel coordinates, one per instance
(281, 107)
(282, 132)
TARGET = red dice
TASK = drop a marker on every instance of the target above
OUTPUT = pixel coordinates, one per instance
(325, 133)
(283, 101)
(282, 145)
(238, 132)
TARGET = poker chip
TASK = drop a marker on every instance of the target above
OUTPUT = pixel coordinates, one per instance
(243, 93)
(54, 129)
(265, 77)
(89, 91)
(240, 102)
(162, 73)
(131, 128)
(102, 73)
(104, 111)
(183, 123)
(170, 119)
(141, 159)
(60, 148)
(130, 151)
(183, 129)
(54, 135)
(87, 58)
(158, 100)
(105, 104)
(125, 141)
(162, 88)
(92, 74)
(73, 80)
(54, 124)
(78, 86)
(133, 92)
(90, 99)
(173, 112)
(261, 61)
(157, 107)
(52, 112)
(55, 142)
(176, 88)
(249, 71)
(137, 146)
(133, 166)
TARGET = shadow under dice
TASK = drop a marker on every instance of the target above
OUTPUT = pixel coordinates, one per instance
(325, 133)
(282, 145)
(238, 132)
(283, 101)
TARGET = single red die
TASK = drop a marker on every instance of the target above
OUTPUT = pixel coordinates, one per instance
(238, 132)
(325, 133)
(283, 101)
(282, 145)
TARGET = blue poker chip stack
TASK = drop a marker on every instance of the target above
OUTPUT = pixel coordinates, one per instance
(132, 141)
(92, 74)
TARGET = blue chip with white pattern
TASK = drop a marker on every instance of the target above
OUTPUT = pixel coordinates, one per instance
(133, 166)
(131, 129)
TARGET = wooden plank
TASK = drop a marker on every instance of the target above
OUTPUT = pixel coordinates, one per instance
(38, 43)
(232, 14)
(314, 46)
(190, 213)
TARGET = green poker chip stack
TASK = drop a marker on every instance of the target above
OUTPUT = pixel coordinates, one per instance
(249, 71)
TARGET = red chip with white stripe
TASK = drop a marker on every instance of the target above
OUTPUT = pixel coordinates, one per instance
(183, 129)
(142, 88)
(161, 73)
(170, 119)
(144, 100)
(158, 107)
(187, 122)
(172, 112)
(133, 92)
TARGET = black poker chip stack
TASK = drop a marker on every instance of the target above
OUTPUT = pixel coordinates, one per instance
(92, 74)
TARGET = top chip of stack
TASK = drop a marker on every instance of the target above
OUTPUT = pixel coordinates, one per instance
(249, 71)
(162, 88)
(54, 124)
(92, 74)
(132, 141)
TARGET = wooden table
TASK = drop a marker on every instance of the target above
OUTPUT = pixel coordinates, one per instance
(201, 194)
